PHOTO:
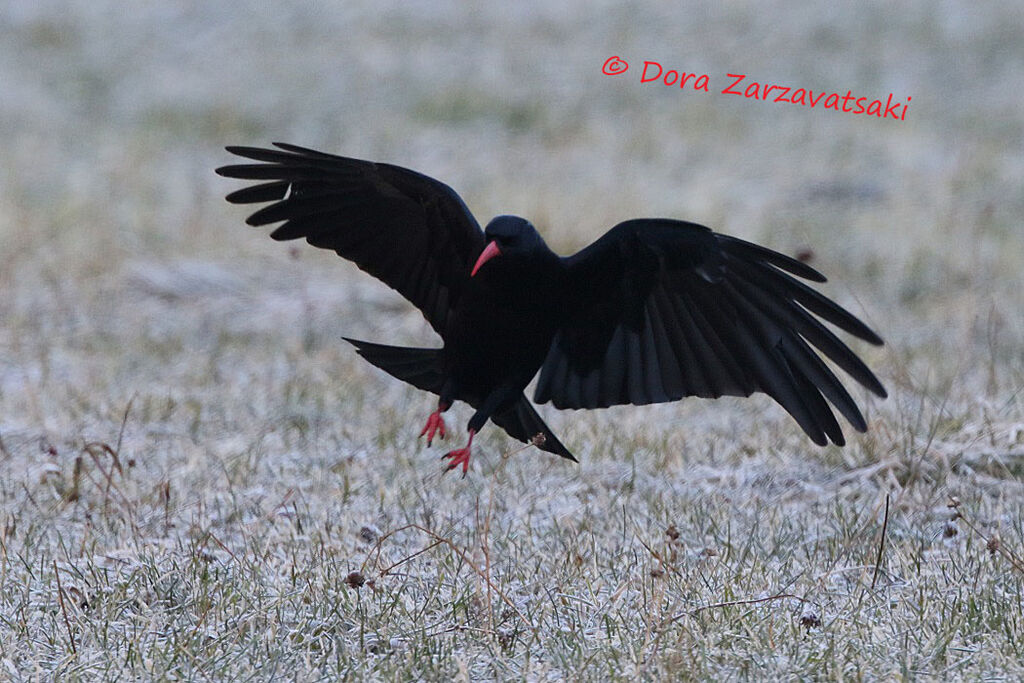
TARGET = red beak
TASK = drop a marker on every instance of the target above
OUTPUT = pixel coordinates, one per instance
(489, 252)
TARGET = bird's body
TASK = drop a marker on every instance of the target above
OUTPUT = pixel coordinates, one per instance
(655, 310)
(489, 324)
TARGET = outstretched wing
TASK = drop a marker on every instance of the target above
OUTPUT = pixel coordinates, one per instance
(662, 309)
(412, 232)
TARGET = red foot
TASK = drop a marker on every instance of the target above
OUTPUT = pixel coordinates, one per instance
(460, 456)
(435, 423)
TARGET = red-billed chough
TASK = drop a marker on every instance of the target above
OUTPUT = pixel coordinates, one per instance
(655, 310)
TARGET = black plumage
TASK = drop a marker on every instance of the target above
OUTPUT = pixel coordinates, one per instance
(653, 311)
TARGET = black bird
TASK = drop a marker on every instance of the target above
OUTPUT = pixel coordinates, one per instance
(655, 310)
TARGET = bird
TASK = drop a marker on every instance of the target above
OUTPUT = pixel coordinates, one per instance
(653, 311)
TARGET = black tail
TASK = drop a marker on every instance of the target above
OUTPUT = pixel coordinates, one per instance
(422, 369)
(522, 422)
(419, 367)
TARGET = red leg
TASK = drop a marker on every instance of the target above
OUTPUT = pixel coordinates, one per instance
(460, 456)
(435, 423)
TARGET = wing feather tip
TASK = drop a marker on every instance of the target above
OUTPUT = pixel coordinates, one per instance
(874, 385)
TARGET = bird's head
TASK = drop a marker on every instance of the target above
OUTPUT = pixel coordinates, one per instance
(509, 236)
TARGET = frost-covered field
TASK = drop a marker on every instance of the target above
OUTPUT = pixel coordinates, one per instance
(193, 464)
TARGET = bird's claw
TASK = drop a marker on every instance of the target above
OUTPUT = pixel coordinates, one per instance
(459, 456)
(435, 424)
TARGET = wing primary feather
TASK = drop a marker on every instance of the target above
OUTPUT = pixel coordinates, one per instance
(782, 381)
(785, 285)
(817, 405)
(307, 152)
(297, 156)
(814, 332)
(802, 358)
(266, 192)
(799, 354)
(749, 251)
(776, 380)
(311, 227)
(299, 207)
(305, 172)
